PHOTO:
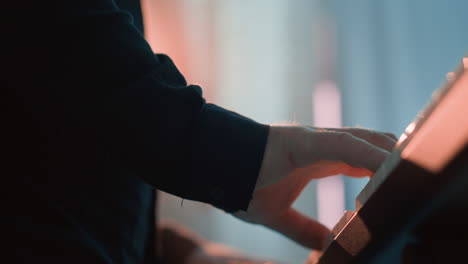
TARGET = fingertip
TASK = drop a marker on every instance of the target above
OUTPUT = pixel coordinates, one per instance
(358, 172)
(302, 229)
(369, 156)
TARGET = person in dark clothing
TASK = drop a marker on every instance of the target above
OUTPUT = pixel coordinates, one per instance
(94, 122)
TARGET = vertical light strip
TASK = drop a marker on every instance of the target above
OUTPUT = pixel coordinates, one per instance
(330, 191)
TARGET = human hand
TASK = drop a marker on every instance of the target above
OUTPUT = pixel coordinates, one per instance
(178, 244)
(295, 155)
(314, 257)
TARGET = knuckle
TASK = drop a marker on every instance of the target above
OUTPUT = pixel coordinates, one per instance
(375, 136)
(344, 137)
(391, 135)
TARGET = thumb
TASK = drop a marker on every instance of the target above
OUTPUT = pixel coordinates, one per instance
(302, 229)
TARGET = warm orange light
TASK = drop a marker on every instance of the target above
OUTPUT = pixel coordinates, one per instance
(445, 132)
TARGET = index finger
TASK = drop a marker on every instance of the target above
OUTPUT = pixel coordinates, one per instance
(384, 140)
(301, 229)
(352, 150)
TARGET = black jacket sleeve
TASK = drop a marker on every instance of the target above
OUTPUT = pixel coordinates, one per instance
(90, 75)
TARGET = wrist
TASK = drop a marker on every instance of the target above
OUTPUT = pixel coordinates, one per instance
(276, 161)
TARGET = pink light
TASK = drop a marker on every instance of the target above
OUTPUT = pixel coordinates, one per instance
(330, 190)
(446, 129)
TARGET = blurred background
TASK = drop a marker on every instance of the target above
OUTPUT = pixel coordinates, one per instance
(329, 63)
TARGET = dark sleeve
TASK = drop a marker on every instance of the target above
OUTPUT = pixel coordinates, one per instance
(100, 77)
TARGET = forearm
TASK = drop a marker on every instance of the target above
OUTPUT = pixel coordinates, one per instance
(98, 88)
